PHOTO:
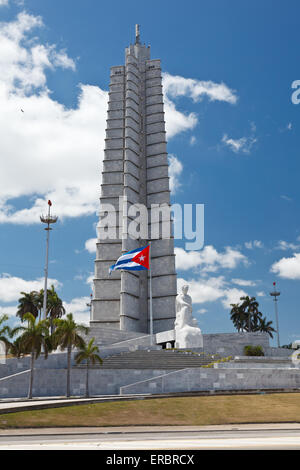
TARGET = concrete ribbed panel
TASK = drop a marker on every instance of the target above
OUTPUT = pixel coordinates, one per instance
(157, 148)
(131, 182)
(163, 265)
(113, 166)
(132, 124)
(132, 156)
(157, 185)
(155, 127)
(108, 251)
(162, 247)
(115, 177)
(114, 123)
(163, 306)
(115, 133)
(102, 270)
(132, 133)
(154, 99)
(107, 311)
(107, 289)
(157, 172)
(131, 168)
(111, 190)
(114, 143)
(164, 285)
(155, 137)
(155, 117)
(155, 108)
(157, 160)
(162, 197)
(115, 114)
(115, 105)
(113, 154)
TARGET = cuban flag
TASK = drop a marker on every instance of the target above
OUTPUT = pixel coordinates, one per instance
(135, 260)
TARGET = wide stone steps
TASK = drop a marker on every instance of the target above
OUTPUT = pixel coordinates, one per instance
(162, 359)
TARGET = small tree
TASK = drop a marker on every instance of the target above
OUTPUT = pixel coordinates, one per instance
(67, 336)
(34, 338)
(88, 353)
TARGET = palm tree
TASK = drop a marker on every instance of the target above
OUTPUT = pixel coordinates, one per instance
(55, 308)
(28, 304)
(238, 317)
(88, 353)
(33, 340)
(249, 307)
(266, 326)
(67, 336)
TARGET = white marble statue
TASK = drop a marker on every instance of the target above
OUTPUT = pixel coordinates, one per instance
(187, 331)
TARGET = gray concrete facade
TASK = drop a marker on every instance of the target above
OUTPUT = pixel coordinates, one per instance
(135, 171)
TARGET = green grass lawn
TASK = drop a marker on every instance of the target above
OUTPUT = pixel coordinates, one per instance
(204, 410)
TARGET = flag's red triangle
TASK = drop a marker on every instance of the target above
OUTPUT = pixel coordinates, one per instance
(142, 257)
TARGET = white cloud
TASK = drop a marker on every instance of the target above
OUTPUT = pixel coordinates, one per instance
(209, 259)
(286, 198)
(3, 3)
(211, 290)
(261, 294)
(175, 170)
(232, 296)
(9, 310)
(175, 86)
(288, 268)
(202, 311)
(284, 246)
(242, 145)
(90, 245)
(79, 308)
(193, 140)
(59, 148)
(243, 282)
(177, 121)
(254, 244)
(12, 286)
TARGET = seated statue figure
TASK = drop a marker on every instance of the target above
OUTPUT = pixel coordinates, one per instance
(187, 331)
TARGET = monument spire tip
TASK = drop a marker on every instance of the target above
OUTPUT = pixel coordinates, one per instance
(137, 34)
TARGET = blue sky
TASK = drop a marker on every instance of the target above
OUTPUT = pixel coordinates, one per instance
(232, 131)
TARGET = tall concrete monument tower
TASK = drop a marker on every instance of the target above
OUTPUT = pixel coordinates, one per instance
(135, 172)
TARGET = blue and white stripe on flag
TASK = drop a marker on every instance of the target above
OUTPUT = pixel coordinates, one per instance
(135, 260)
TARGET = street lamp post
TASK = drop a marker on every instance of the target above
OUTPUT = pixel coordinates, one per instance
(48, 220)
(276, 294)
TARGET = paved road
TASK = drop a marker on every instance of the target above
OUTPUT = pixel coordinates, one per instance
(214, 437)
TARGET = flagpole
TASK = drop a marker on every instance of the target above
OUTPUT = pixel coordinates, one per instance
(150, 285)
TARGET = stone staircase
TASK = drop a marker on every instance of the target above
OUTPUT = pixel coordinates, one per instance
(154, 359)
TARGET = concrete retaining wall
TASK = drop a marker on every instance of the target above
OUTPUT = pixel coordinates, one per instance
(52, 382)
(188, 380)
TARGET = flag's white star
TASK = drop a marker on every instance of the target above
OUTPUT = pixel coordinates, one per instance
(141, 258)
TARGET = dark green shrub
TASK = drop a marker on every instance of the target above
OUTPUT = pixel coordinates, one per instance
(250, 350)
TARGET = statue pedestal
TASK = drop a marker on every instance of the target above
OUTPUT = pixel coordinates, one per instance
(188, 337)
